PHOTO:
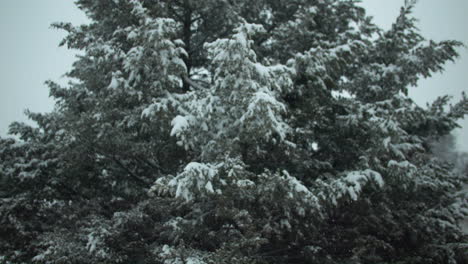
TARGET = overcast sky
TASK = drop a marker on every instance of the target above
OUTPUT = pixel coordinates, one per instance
(30, 54)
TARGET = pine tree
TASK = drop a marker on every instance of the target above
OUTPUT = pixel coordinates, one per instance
(236, 132)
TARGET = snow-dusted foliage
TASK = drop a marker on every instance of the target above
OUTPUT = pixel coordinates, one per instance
(242, 103)
(215, 131)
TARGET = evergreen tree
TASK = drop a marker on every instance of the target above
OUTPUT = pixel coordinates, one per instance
(236, 132)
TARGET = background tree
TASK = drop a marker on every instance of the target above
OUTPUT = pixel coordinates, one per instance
(264, 132)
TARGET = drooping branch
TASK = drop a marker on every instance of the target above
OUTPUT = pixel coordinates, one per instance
(192, 83)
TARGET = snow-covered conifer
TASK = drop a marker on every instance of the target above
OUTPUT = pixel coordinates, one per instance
(236, 132)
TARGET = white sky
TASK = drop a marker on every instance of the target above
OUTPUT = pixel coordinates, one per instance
(30, 54)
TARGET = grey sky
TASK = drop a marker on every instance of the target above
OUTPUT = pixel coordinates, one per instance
(30, 54)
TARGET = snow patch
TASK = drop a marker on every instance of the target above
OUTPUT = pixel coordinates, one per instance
(179, 125)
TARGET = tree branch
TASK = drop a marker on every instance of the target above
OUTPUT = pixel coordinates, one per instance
(193, 83)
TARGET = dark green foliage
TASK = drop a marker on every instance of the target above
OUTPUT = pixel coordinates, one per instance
(248, 132)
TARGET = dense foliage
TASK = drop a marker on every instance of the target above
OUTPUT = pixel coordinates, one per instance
(217, 131)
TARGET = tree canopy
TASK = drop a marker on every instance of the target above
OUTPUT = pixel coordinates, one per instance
(219, 131)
